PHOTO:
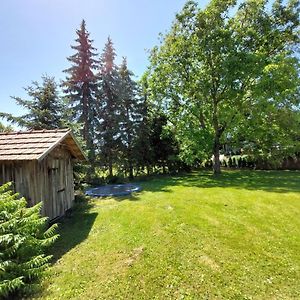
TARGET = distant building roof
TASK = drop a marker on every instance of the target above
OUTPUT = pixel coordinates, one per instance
(36, 144)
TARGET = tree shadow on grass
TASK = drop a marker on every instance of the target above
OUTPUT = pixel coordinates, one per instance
(132, 197)
(73, 229)
(271, 181)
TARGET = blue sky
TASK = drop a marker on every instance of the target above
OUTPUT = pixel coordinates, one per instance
(36, 36)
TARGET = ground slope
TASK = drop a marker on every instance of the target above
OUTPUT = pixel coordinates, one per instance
(185, 237)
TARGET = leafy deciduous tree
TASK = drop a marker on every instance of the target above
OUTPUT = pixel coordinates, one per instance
(218, 70)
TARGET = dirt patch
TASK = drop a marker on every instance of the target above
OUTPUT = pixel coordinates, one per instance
(206, 260)
(135, 254)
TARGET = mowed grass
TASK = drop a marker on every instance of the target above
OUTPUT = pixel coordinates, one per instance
(186, 237)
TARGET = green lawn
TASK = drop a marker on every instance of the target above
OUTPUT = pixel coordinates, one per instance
(189, 237)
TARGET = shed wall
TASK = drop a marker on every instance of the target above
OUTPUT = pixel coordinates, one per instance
(50, 181)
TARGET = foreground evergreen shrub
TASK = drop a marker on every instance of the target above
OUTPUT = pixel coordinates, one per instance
(24, 238)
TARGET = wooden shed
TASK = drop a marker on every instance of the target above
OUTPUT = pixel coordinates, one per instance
(40, 164)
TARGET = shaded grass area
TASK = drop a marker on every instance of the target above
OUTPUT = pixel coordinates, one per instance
(195, 236)
(74, 229)
(273, 181)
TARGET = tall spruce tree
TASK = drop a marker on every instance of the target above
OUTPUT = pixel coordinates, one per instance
(44, 108)
(131, 114)
(143, 151)
(109, 111)
(80, 87)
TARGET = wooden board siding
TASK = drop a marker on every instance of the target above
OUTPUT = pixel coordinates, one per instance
(59, 182)
(39, 163)
(50, 181)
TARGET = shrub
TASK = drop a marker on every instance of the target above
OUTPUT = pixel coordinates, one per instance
(115, 179)
(239, 162)
(96, 180)
(244, 163)
(230, 163)
(24, 237)
(80, 197)
(234, 162)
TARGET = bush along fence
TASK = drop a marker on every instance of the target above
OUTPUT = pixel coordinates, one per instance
(239, 162)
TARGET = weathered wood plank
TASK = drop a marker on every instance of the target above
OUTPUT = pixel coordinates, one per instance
(50, 181)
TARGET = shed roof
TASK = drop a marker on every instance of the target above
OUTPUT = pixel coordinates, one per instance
(36, 144)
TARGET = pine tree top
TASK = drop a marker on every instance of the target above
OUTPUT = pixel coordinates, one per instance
(44, 106)
(123, 69)
(108, 57)
(84, 62)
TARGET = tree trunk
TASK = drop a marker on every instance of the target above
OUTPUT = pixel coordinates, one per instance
(130, 158)
(130, 170)
(110, 167)
(217, 165)
(218, 132)
(91, 155)
(85, 117)
(164, 168)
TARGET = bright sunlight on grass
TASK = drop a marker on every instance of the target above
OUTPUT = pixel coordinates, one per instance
(187, 237)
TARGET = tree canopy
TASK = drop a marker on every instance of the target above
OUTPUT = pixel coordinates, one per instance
(80, 86)
(44, 107)
(4, 128)
(109, 110)
(225, 78)
(228, 70)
